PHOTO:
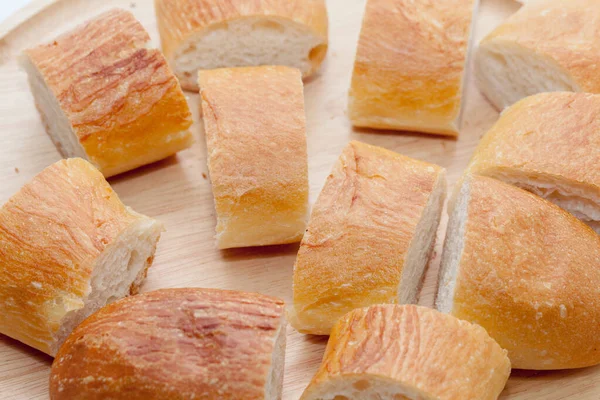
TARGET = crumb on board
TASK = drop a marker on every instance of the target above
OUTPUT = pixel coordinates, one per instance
(16, 170)
(204, 175)
(132, 5)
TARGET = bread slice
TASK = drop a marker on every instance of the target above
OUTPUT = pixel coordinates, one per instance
(176, 344)
(548, 144)
(408, 353)
(546, 46)
(198, 35)
(68, 246)
(414, 83)
(104, 95)
(257, 154)
(525, 270)
(369, 238)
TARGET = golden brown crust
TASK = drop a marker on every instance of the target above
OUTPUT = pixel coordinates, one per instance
(550, 136)
(410, 64)
(564, 31)
(529, 275)
(180, 19)
(361, 226)
(124, 104)
(51, 233)
(433, 354)
(172, 344)
(257, 153)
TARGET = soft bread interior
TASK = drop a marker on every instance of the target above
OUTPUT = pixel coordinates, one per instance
(453, 248)
(362, 387)
(507, 73)
(119, 271)
(574, 199)
(249, 41)
(274, 384)
(56, 122)
(421, 246)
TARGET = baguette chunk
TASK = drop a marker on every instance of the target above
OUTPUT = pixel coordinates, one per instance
(410, 65)
(546, 46)
(201, 35)
(257, 155)
(408, 353)
(369, 238)
(525, 270)
(548, 144)
(68, 246)
(104, 95)
(176, 344)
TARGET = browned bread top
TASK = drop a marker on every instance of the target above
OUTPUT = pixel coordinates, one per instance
(426, 353)
(124, 104)
(529, 274)
(171, 344)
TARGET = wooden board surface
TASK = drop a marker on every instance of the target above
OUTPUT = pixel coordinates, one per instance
(177, 192)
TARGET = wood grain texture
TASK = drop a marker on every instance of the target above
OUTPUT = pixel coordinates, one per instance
(177, 192)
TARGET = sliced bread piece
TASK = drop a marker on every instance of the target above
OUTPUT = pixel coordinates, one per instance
(104, 95)
(176, 344)
(548, 144)
(199, 34)
(257, 155)
(408, 353)
(68, 246)
(525, 270)
(369, 238)
(410, 65)
(546, 46)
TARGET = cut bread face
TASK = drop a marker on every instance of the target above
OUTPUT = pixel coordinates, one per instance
(422, 244)
(526, 271)
(68, 246)
(548, 144)
(249, 41)
(184, 343)
(106, 96)
(385, 352)
(118, 272)
(55, 121)
(508, 72)
(370, 236)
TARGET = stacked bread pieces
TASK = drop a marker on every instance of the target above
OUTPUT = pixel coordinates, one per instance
(410, 65)
(257, 154)
(106, 97)
(68, 246)
(370, 236)
(204, 34)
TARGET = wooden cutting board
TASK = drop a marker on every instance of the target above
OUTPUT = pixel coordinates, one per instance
(178, 192)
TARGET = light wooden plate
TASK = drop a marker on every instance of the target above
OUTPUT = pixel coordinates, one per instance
(177, 191)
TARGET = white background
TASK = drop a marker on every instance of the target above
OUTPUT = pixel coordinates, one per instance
(8, 7)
